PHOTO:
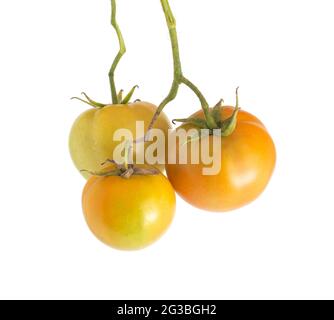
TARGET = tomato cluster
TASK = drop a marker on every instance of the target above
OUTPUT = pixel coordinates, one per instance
(129, 206)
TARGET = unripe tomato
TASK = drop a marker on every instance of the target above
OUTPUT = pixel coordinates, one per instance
(128, 214)
(91, 138)
(248, 159)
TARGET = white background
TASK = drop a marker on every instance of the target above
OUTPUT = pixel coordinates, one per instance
(280, 53)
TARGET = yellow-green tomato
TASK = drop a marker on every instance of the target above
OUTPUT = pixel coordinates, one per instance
(92, 135)
(128, 214)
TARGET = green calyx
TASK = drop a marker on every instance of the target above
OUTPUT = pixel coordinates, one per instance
(99, 105)
(226, 126)
(124, 171)
(90, 101)
(128, 97)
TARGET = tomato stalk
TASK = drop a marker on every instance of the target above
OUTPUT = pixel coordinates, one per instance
(179, 78)
(121, 52)
(117, 97)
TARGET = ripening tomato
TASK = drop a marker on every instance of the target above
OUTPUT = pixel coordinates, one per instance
(129, 214)
(91, 138)
(248, 159)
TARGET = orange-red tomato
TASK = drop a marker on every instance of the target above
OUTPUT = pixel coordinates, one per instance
(128, 214)
(248, 159)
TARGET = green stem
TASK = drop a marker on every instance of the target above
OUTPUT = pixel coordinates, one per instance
(205, 106)
(121, 52)
(178, 75)
(171, 23)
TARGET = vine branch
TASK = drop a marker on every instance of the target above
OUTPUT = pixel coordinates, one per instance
(121, 52)
(179, 78)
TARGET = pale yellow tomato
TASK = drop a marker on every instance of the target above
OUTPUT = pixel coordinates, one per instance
(91, 137)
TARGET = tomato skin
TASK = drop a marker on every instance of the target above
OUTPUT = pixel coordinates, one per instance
(129, 214)
(248, 160)
(91, 138)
